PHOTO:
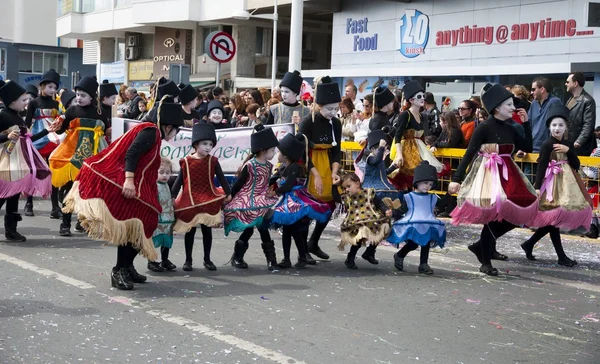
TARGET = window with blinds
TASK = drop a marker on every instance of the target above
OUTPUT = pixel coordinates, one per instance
(90, 52)
(39, 62)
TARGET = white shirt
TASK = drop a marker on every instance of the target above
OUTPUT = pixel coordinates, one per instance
(358, 105)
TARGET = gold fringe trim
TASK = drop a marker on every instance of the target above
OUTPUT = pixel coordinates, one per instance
(366, 234)
(64, 175)
(97, 220)
(205, 219)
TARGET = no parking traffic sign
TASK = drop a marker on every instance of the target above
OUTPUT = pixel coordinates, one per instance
(220, 46)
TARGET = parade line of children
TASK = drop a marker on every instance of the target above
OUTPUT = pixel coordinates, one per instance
(494, 192)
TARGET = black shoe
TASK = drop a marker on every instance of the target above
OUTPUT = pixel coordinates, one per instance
(118, 279)
(55, 214)
(301, 263)
(398, 262)
(166, 264)
(310, 260)
(237, 258)
(241, 264)
(187, 266)
(29, 210)
(498, 256)
(528, 250)
(370, 258)
(79, 228)
(443, 214)
(350, 264)
(567, 262)
(209, 265)
(489, 270)
(285, 263)
(64, 230)
(14, 236)
(314, 249)
(476, 249)
(135, 277)
(425, 269)
(155, 267)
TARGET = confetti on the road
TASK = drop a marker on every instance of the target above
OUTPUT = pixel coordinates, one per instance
(264, 298)
(476, 302)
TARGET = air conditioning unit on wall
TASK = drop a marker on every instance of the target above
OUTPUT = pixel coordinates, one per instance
(133, 40)
(132, 53)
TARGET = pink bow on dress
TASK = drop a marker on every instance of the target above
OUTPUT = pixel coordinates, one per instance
(552, 170)
(495, 159)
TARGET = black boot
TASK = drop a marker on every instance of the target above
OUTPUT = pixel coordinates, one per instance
(398, 262)
(78, 227)
(65, 230)
(351, 257)
(118, 279)
(134, 276)
(308, 257)
(286, 263)
(56, 213)
(29, 207)
(527, 246)
(369, 254)
(237, 259)
(269, 250)
(10, 227)
(313, 248)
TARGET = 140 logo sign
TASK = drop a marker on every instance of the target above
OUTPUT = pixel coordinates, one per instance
(412, 33)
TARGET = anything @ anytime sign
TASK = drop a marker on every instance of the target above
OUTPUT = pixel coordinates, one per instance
(233, 145)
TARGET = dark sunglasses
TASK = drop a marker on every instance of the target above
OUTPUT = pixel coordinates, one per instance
(463, 109)
(367, 105)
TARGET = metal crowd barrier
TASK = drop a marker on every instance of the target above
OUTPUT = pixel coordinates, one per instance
(451, 157)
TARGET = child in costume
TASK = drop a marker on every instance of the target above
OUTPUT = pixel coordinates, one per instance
(563, 199)
(495, 192)
(163, 235)
(22, 168)
(84, 124)
(296, 206)
(42, 112)
(367, 220)
(419, 227)
(200, 202)
(376, 172)
(251, 200)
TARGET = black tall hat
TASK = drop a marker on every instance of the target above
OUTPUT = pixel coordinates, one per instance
(108, 89)
(10, 92)
(493, 95)
(170, 114)
(293, 81)
(32, 90)
(181, 86)
(215, 104)
(66, 97)
(262, 139)
(89, 85)
(168, 88)
(328, 92)
(411, 89)
(187, 94)
(425, 172)
(375, 136)
(51, 76)
(203, 131)
(292, 146)
(383, 96)
(557, 110)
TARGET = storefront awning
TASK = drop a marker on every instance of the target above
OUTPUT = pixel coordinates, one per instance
(202, 84)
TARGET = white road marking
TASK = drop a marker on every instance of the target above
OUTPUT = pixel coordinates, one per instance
(242, 344)
(45, 272)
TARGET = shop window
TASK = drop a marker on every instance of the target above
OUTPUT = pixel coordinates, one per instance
(39, 62)
(2, 59)
(260, 38)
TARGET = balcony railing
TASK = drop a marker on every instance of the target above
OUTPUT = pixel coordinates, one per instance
(88, 6)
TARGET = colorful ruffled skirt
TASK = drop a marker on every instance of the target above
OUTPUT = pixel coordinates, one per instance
(296, 205)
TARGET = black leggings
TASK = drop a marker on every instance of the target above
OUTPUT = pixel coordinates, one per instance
(410, 246)
(12, 204)
(297, 231)
(265, 237)
(126, 255)
(64, 191)
(317, 231)
(206, 242)
(554, 236)
(489, 234)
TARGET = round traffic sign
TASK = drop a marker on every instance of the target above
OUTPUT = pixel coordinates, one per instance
(220, 46)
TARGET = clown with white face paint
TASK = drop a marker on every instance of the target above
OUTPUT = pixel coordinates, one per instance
(324, 131)
(409, 150)
(290, 110)
(563, 200)
(215, 112)
(495, 192)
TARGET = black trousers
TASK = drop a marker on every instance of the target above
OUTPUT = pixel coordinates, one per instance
(265, 237)
(409, 246)
(297, 231)
(125, 256)
(554, 236)
(206, 242)
(12, 204)
(487, 240)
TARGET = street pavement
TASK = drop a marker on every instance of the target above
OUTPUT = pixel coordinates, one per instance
(57, 305)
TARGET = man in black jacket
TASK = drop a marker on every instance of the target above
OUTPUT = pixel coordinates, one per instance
(433, 115)
(582, 115)
(133, 111)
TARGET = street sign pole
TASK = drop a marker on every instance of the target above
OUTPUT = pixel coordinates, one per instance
(218, 78)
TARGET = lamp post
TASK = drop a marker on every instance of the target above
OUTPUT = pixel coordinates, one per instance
(245, 15)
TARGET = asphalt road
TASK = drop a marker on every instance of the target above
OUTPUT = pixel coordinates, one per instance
(57, 306)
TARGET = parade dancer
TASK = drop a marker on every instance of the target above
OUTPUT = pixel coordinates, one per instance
(251, 199)
(84, 125)
(419, 227)
(495, 192)
(201, 202)
(108, 97)
(296, 206)
(22, 168)
(376, 172)
(289, 110)
(564, 202)
(324, 131)
(367, 220)
(410, 149)
(189, 99)
(116, 193)
(42, 112)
